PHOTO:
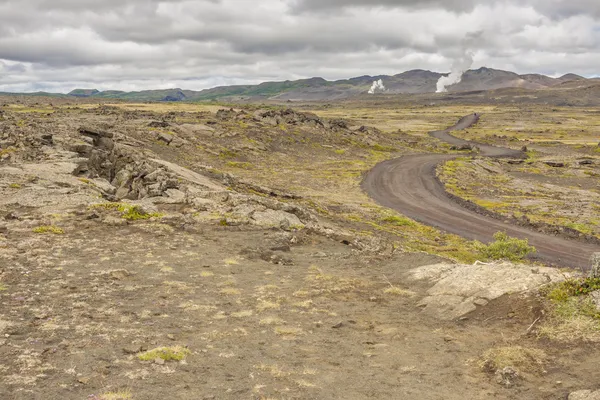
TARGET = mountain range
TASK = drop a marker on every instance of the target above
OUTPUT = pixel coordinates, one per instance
(410, 82)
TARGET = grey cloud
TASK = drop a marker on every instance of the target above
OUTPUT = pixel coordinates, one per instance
(150, 43)
(317, 5)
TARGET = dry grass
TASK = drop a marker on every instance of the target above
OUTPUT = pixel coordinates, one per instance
(396, 291)
(288, 331)
(118, 395)
(264, 305)
(527, 360)
(576, 327)
(242, 314)
(230, 291)
(176, 353)
(271, 321)
(274, 370)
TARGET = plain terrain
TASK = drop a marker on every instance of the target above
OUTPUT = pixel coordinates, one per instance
(238, 246)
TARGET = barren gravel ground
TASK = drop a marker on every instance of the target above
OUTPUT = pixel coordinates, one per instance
(281, 281)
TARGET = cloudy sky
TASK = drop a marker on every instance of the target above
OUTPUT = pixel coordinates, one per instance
(57, 45)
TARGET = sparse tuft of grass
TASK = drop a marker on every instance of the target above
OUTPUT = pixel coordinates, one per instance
(396, 291)
(49, 229)
(528, 360)
(264, 305)
(119, 395)
(14, 186)
(573, 313)
(398, 221)
(242, 314)
(3, 287)
(505, 248)
(287, 331)
(135, 213)
(230, 291)
(240, 165)
(176, 353)
(271, 321)
(128, 211)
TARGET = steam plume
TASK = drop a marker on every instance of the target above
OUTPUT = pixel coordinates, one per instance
(459, 66)
(377, 87)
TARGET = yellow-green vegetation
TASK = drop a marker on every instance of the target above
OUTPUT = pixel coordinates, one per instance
(528, 360)
(398, 221)
(485, 183)
(117, 395)
(176, 353)
(8, 150)
(3, 287)
(135, 213)
(242, 165)
(573, 313)
(128, 211)
(505, 248)
(49, 229)
(396, 291)
(14, 186)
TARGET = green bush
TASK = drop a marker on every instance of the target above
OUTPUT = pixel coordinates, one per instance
(506, 248)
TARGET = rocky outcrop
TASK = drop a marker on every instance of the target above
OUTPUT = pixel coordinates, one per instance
(459, 289)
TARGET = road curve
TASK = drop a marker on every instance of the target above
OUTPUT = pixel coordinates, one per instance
(409, 185)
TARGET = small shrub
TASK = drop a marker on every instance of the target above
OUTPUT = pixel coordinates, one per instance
(15, 186)
(562, 291)
(176, 353)
(49, 229)
(3, 288)
(505, 248)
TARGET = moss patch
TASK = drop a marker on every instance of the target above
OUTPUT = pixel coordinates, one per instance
(49, 229)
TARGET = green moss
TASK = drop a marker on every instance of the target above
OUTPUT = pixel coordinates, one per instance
(128, 212)
(49, 229)
(176, 353)
(135, 213)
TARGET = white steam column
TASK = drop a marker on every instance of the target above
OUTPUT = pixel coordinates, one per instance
(459, 67)
(377, 87)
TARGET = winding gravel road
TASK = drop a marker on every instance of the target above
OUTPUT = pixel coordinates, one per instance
(409, 185)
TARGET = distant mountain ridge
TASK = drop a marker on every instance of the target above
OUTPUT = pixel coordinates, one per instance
(410, 82)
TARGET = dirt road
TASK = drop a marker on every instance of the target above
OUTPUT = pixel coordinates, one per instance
(409, 185)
